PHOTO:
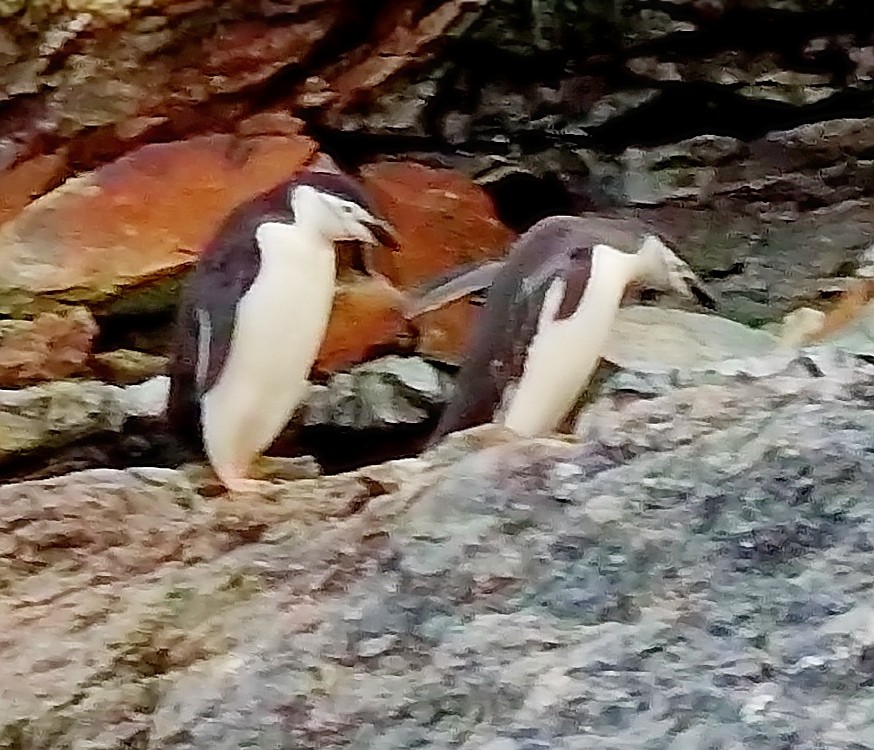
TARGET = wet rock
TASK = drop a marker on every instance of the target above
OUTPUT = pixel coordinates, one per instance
(49, 347)
(115, 230)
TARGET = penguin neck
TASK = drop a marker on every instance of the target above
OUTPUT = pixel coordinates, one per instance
(311, 217)
(646, 264)
(616, 269)
(287, 248)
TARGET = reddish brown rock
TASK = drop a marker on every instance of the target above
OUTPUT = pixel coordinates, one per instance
(444, 220)
(49, 347)
(366, 318)
(136, 220)
(20, 185)
(407, 32)
(443, 333)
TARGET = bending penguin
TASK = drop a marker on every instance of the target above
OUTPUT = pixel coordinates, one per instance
(254, 314)
(547, 315)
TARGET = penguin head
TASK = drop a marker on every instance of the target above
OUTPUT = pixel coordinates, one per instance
(334, 206)
(662, 269)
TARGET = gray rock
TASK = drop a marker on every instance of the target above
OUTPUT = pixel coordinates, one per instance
(858, 336)
(677, 171)
(57, 413)
(658, 339)
(377, 395)
(764, 266)
(616, 104)
(692, 572)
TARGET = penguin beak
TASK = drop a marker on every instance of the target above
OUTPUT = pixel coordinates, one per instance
(384, 232)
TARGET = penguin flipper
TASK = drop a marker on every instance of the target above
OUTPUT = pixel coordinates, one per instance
(205, 324)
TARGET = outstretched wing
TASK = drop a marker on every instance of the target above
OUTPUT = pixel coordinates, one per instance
(470, 280)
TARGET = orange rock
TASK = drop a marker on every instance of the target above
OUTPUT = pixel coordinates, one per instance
(444, 220)
(21, 184)
(366, 318)
(50, 347)
(139, 219)
(271, 122)
(443, 333)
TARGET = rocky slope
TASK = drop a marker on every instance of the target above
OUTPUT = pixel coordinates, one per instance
(743, 131)
(757, 110)
(690, 570)
(695, 572)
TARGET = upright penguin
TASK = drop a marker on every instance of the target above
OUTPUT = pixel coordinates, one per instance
(254, 313)
(547, 316)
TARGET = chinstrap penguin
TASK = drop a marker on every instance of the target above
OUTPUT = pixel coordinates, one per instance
(547, 315)
(254, 312)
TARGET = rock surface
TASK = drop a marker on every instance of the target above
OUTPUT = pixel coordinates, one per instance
(445, 221)
(102, 237)
(661, 108)
(666, 339)
(693, 574)
(49, 347)
(54, 414)
(369, 400)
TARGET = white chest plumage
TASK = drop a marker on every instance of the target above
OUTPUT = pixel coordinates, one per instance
(279, 327)
(563, 354)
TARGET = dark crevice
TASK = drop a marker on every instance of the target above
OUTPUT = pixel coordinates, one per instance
(146, 442)
(522, 199)
(688, 110)
(148, 333)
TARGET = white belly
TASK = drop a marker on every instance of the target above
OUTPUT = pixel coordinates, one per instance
(280, 324)
(563, 354)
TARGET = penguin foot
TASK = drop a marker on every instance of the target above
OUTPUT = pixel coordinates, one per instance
(237, 481)
(242, 485)
(281, 469)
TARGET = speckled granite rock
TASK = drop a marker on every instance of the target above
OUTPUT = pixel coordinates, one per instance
(694, 574)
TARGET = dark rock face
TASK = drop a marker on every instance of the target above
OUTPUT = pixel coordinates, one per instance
(747, 114)
(502, 79)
